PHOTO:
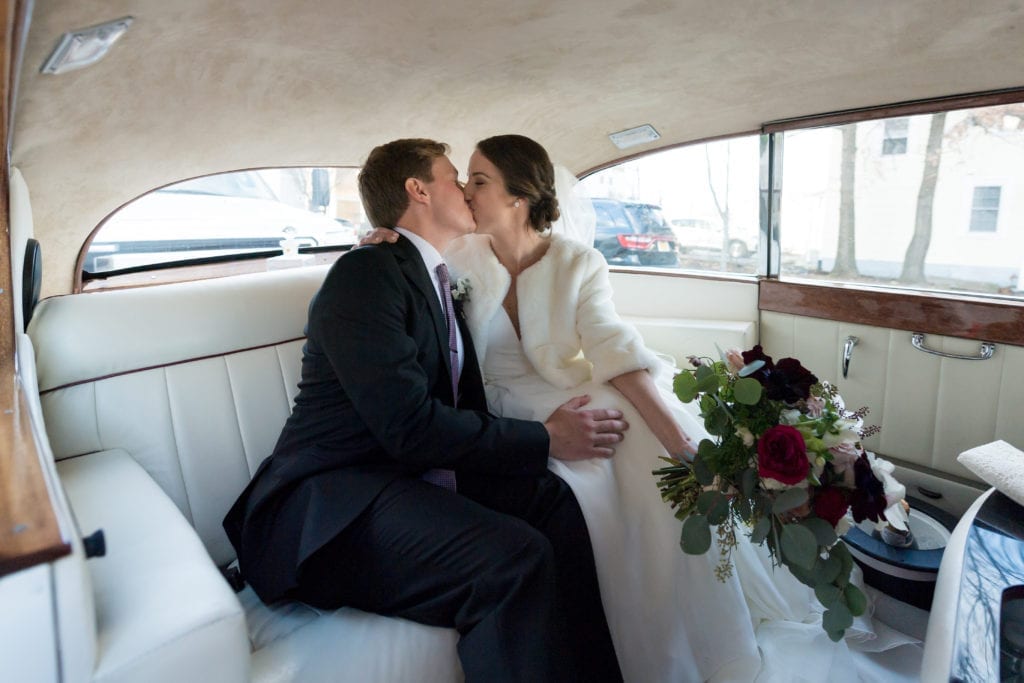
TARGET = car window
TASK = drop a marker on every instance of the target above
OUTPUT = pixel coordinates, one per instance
(932, 201)
(696, 208)
(229, 215)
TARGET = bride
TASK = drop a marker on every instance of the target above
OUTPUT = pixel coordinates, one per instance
(539, 308)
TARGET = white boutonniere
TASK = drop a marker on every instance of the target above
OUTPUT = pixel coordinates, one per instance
(461, 289)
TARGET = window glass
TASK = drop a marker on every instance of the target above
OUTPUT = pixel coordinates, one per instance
(227, 214)
(945, 214)
(693, 207)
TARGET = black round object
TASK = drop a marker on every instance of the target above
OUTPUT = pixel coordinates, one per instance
(907, 574)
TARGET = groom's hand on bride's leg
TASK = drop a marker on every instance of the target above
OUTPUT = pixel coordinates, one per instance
(578, 434)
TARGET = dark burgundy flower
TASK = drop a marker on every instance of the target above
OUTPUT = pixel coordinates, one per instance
(868, 498)
(782, 455)
(792, 381)
(830, 504)
(786, 381)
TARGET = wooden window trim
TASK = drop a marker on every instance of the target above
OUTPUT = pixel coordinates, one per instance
(930, 313)
(912, 108)
(30, 533)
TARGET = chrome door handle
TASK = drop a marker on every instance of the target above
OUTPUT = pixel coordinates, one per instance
(987, 350)
(848, 345)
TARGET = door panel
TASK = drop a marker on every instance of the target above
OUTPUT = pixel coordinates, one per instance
(929, 408)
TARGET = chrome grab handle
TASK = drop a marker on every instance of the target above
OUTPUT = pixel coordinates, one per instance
(986, 352)
(848, 345)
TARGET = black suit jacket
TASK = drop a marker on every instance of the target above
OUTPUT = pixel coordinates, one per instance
(374, 404)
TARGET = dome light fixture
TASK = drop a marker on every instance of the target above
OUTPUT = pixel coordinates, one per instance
(81, 48)
(632, 137)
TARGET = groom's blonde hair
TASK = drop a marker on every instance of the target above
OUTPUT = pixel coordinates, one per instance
(382, 179)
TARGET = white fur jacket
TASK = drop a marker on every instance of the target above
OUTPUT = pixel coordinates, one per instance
(570, 330)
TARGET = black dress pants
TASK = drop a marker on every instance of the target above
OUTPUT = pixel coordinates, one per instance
(505, 561)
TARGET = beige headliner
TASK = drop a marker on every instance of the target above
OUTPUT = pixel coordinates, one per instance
(198, 86)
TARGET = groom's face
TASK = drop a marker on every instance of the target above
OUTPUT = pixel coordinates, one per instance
(447, 199)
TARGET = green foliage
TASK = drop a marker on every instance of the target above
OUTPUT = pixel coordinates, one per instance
(798, 546)
(789, 499)
(747, 391)
(685, 386)
(696, 535)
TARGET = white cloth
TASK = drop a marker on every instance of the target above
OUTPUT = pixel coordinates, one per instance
(1000, 465)
(671, 620)
(565, 308)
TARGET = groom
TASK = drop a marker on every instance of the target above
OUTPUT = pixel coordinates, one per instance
(392, 490)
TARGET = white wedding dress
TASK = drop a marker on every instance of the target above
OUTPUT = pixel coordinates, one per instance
(671, 619)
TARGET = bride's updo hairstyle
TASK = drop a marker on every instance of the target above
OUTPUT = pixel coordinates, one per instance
(528, 174)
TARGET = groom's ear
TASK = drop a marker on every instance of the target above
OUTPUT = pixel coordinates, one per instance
(417, 191)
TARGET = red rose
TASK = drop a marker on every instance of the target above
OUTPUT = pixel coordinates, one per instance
(830, 504)
(782, 455)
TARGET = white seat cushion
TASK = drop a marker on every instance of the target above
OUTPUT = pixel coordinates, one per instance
(163, 610)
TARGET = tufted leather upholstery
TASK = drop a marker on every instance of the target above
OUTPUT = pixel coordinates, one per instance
(159, 404)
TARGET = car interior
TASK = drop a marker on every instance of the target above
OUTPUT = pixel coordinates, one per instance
(842, 183)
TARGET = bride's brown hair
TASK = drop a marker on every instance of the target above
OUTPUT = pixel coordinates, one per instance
(528, 174)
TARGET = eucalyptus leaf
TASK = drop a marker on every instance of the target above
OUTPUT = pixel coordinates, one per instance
(717, 422)
(761, 529)
(799, 546)
(828, 595)
(842, 553)
(827, 568)
(706, 500)
(747, 391)
(822, 530)
(802, 575)
(836, 636)
(789, 499)
(855, 600)
(685, 386)
(750, 368)
(748, 482)
(696, 536)
(837, 618)
(719, 511)
(701, 471)
(707, 379)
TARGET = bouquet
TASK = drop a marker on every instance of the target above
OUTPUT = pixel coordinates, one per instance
(787, 463)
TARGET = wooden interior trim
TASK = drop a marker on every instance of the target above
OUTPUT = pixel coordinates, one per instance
(984, 320)
(29, 531)
(912, 108)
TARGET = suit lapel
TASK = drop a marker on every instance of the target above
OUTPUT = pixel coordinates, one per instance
(415, 271)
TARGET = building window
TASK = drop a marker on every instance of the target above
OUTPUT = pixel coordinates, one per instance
(895, 141)
(985, 209)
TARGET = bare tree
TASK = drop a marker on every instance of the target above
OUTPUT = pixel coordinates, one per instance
(917, 250)
(723, 209)
(846, 252)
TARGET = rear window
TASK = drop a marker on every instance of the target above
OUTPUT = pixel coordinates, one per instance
(228, 217)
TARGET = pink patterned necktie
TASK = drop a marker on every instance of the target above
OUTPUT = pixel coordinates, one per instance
(444, 477)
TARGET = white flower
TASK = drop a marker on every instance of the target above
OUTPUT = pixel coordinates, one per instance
(844, 524)
(847, 431)
(894, 492)
(789, 416)
(746, 435)
(461, 289)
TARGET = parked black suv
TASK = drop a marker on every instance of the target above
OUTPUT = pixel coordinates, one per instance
(632, 233)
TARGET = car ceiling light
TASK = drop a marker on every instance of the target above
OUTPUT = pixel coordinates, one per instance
(86, 46)
(631, 137)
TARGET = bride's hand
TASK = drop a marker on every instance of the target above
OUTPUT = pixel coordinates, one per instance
(578, 434)
(378, 235)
